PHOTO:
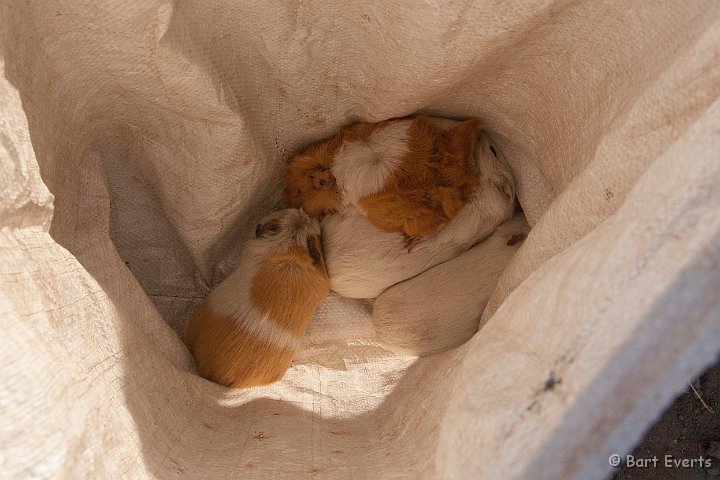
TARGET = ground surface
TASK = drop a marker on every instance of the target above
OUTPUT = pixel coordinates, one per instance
(686, 430)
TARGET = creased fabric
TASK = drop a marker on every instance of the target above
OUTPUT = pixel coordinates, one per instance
(140, 140)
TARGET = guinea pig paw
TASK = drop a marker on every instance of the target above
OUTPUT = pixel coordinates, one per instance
(505, 184)
(411, 242)
(515, 239)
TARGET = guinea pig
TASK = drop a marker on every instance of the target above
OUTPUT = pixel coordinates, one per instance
(406, 175)
(441, 308)
(246, 332)
(363, 260)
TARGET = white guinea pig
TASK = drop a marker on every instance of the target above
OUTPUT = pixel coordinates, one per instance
(441, 308)
(363, 261)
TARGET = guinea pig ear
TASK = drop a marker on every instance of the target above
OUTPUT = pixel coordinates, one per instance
(313, 250)
(267, 229)
(462, 138)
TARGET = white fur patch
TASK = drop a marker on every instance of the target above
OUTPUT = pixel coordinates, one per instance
(265, 329)
(361, 168)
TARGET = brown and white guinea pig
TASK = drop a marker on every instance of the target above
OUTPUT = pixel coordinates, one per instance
(246, 332)
(406, 175)
(441, 308)
(363, 260)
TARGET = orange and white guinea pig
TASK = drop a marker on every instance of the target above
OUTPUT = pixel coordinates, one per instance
(407, 175)
(363, 260)
(441, 308)
(246, 332)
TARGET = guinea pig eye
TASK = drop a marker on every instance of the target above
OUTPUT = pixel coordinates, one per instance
(492, 149)
(313, 251)
(267, 229)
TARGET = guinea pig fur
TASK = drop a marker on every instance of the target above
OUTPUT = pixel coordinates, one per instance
(363, 260)
(408, 175)
(246, 332)
(441, 308)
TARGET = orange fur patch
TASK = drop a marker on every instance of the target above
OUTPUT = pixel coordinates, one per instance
(435, 180)
(288, 288)
(299, 190)
(226, 354)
